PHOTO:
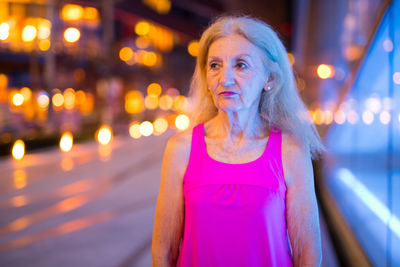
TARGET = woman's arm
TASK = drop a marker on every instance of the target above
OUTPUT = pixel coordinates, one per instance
(169, 217)
(301, 204)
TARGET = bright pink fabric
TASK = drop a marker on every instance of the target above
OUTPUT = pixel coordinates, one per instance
(234, 213)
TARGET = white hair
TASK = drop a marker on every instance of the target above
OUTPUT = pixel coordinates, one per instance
(281, 106)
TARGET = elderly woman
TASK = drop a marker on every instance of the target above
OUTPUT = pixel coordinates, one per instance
(237, 189)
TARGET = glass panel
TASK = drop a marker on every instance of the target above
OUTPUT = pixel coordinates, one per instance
(363, 163)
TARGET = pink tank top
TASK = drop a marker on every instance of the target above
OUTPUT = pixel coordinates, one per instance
(234, 213)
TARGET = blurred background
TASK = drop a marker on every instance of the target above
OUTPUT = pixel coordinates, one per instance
(90, 92)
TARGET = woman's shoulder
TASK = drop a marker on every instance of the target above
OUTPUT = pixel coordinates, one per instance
(178, 146)
(290, 144)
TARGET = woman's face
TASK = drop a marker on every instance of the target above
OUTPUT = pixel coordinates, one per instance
(236, 74)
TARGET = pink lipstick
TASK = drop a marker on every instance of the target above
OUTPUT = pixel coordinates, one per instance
(227, 93)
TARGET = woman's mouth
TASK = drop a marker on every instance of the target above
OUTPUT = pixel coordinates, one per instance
(227, 93)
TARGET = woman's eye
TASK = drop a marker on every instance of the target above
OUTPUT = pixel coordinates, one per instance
(213, 65)
(241, 65)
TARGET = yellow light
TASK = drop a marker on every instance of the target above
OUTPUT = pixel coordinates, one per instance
(328, 115)
(151, 101)
(368, 117)
(291, 58)
(104, 135)
(340, 116)
(19, 179)
(142, 28)
(160, 125)
(4, 31)
(58, 100)
(384, 117)
(44, 29)
(325, 71)
(182, 122)
(69, 98)
(125, 53)
(154, 89)
(134, 102)
(352, 117)
(318, 117)
(180, 103)
(91, 13)
(17, 99)
(66, 141)
(18, 149)
(43, 100)
(26, 93)
(72, 12)
(142, 42)
(161, 6)
(29, 33)
(44, 45)
(166, 102)
(146, 128)
(134, 130)
(3, 80)
(72, 35)
(193, 48)
(149, 59)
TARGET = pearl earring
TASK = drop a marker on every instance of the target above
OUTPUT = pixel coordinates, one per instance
(268, 87)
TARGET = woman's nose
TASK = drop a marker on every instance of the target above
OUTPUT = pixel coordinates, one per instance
(227, 77)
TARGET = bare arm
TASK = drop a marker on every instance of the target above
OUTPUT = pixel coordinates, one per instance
(301, 205)
(169, 217)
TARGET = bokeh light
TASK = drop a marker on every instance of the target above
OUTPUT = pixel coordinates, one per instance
(72, 35)
(4, 31)
(352, 116)
(44, 45)
(396, 77)
(126, 53)
(134, 130)
(166, 102)
(193, 48)
(182, 122)
(69, 98)
(368, 117)
(29, 33)
(43, 99)
(154, 89)
(384, 117)
(17, 99)
(57, 100)
(142, 28)
(18, 149)
(66, 141)
(71, 12)
(325, 71)
(151, 102)
(160, 125)
(149, 59)
(104, 135)
(339, 116)
(146, 128)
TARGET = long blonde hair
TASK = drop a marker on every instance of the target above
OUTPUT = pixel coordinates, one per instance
(281, 106)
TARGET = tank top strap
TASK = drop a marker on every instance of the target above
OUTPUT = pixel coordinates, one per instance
(274, 142)
(198, 143)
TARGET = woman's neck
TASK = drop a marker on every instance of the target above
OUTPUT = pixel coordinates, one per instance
(238, 126)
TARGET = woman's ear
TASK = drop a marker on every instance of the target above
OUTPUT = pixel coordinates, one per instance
(270, 83)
